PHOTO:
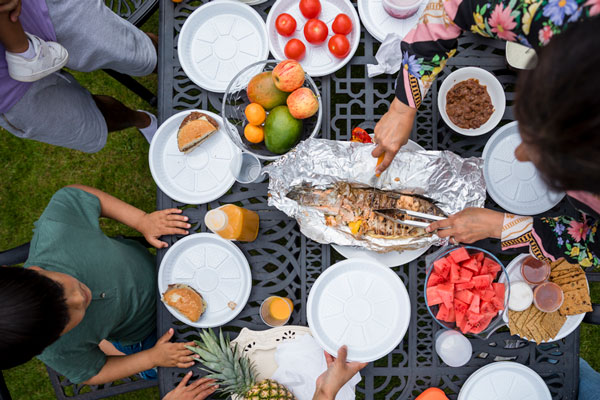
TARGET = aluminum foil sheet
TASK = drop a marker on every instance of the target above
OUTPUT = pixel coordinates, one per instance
(454, 183)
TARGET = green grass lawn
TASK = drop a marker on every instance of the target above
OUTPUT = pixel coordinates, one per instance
(33, 171)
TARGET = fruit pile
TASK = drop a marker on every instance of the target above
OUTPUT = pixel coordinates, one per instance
(278, 104)
(463, 286)
(315, 31)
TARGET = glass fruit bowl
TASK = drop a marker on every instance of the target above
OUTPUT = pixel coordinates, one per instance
(467, 286)
(236, 100)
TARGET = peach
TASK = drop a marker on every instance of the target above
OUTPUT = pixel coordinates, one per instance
(302, 103)
(288, 75)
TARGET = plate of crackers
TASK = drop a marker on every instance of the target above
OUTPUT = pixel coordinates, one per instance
(544, 327)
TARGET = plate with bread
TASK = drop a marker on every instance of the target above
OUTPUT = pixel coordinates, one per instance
(189, 157)
(204, 280)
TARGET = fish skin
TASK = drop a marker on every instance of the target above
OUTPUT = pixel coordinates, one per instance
(343, 203)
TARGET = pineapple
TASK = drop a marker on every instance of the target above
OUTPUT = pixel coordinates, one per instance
(233, 371)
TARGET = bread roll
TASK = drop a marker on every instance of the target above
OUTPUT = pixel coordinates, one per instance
(186, 300)
(195, 129)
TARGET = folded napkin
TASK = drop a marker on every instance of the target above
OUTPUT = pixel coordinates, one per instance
(300, 362)
(389, 56)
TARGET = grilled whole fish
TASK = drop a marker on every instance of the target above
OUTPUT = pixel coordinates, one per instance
(345, 205)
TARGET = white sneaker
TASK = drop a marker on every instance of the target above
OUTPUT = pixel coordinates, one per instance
(49, 58)
(151, 129)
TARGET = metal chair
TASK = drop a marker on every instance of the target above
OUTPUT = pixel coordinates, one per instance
(63, 388)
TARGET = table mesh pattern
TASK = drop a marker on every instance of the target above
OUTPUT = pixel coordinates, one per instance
(284, 262)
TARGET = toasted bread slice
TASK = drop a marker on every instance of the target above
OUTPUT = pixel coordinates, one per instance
(195, 129)
(185, 300)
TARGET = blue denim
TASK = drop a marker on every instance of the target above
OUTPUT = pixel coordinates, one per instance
(589, 382)
(145, 344)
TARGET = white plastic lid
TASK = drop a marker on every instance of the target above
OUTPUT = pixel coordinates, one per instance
(216, 220)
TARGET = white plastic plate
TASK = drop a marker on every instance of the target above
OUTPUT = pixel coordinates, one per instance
(504, 380)
(318, 60)
(214, 267)
(218, 40)
(379, 23)
(516, 186)
(514, 274)
(393, 258)
(362, 304)
(201, 176)
(494, 89)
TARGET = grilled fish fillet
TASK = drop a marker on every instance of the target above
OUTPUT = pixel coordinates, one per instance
(347, 206)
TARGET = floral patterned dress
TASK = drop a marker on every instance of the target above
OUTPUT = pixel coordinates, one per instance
(428, 46)
(549, 238)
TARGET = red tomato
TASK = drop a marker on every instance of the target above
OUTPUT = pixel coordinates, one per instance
(339, 46)
(310, 8)
(315, 31)
(295, 49)
(285, 24)
(342, 24)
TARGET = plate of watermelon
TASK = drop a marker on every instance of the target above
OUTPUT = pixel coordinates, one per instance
(462, 291)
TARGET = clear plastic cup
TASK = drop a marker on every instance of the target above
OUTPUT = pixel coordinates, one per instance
(246, 168)
(453, 348)
(276, 311)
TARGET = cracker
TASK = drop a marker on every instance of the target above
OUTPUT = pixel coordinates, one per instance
(574, 276)
(523, 316)
(536, 333)
(512, 321)
(560, 264)
(565, 273)
(576, 302)
(553, 322)
(570, 286)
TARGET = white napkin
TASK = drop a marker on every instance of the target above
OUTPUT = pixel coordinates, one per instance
(300, 362)
(389, 56)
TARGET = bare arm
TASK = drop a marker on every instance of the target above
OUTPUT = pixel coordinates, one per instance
(152, 226)
(163, 354)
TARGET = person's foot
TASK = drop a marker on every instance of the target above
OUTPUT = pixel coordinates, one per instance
(151, 128)
(46, 58)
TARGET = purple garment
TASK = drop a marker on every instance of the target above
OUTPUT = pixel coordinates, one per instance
(35, 19)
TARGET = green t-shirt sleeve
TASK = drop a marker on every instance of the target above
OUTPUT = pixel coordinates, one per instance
(74, 207)
(78, 363)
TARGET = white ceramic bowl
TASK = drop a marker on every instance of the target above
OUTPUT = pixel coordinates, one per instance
(494, 89)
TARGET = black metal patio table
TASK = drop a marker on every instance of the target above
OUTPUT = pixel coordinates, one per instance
(285, 262)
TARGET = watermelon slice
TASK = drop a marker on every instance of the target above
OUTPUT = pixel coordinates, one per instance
(442, 267)
(460, 310)
(479, 257)
(433, 296)
(446, 292)
(475, 302)
(471, 264)
(459, 255)
(464, 295)
(464, 286)
(498, 305)
(484, 270)
(482, 281)
(487, 308)
(487, 294)
(484, 323)
(499, 289)
(465, 275)
(492, 266)
(435, 279)
(454, 273)
(446, 314)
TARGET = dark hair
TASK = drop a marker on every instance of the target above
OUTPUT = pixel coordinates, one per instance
(33, 314)
(558, 108)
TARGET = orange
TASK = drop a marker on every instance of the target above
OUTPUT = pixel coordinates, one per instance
(255, 114)
(254, 134)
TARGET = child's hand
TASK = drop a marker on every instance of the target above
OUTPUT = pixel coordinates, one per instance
(11, 6)
(164, 222)
(197, 390)
(167, 354)
(337, 374)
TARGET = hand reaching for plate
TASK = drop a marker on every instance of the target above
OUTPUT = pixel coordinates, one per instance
(200, 389)
(337, 374)
(164, 222)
